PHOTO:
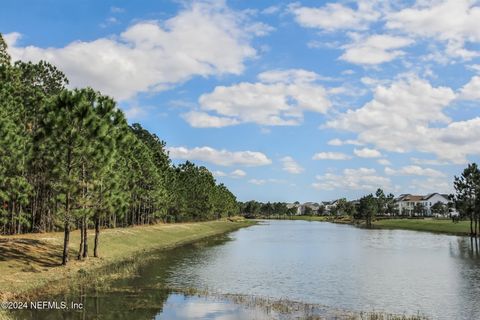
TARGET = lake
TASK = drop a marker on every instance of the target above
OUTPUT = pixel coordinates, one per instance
(326, 268)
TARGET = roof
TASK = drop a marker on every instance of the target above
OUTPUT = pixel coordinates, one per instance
(428, 196)
(416, 198)
(410, 197)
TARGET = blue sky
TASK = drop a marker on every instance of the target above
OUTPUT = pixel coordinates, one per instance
(282, 100)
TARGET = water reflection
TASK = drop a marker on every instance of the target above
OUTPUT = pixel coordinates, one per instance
(331, 265)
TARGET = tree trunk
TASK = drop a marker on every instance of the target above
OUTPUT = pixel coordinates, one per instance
(475, 228)
(66, 241)
(80, 250)
(471, 224)
(85, 237)
(97, 235)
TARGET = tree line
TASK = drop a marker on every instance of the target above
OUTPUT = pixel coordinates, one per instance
(467, 196)
(69, 160)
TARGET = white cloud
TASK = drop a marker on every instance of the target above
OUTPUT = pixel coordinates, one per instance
(279, 99)
(258, 182)
(471, 91)
(384, 162)
(220, 157)
(407, 116)
(367, 153)
(198, 119)
(452, 21)
(429, 162)
(365, 179)
(336, 16)
(291, 166)
(218, 173)
(264, 181)
(271, 10)
(288, 76)
(337, 142)
(375, 49)
(474, 67)
(238, 173)
(414, 170)
(203, 39)
(234, 174)
(430, 185)
(331, 156)
(135, 112)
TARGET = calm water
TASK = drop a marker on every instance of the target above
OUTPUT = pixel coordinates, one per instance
(336, 266)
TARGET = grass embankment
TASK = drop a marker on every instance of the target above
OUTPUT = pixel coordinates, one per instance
(30, 262)
(446, 226)
(335, 219)
(462, 228)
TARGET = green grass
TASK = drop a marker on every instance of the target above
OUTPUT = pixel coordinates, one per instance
(446, 226)
(30, 262)
(431, 225)
(335, 219)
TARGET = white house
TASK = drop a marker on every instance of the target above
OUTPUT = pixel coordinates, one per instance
(406, 203)
(329, 206)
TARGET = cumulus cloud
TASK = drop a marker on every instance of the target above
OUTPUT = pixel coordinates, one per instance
(429, 185)
(451, 21)
(338, 142)
(258, 182)
(408, 115)
(203, 39)
(331, 156)
(291, 166)
(238, 173)
(414, 170)
(336, 16)
(471, 91)
(220, 157)
(279, 99)
(367, 153)
(384, 162)
(365, 179)
(375, 49)
(429, 162)
(204, 120)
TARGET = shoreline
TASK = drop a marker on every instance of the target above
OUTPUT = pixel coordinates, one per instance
(437, 226)
(30, 274)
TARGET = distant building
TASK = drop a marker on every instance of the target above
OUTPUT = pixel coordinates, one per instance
(407, 203)
(329, 206)
(302, 208)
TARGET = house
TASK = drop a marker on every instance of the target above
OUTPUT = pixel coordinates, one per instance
(312, 207)
(329, 206)
(408, 204)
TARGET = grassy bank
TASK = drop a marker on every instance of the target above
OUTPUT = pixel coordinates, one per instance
(335, 219)
(29, 262)
(461, 228)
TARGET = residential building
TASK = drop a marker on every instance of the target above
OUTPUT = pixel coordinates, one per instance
(407, 204)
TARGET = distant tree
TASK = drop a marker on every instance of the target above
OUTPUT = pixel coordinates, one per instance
(321, 210)
(419, 209)
(340, 208)
(467, 197)
(350, 209)
(390, 204)
(381, 201)
(4, 56)
(368, 208)
(308, 211)
(292, 211)
(439, 208)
